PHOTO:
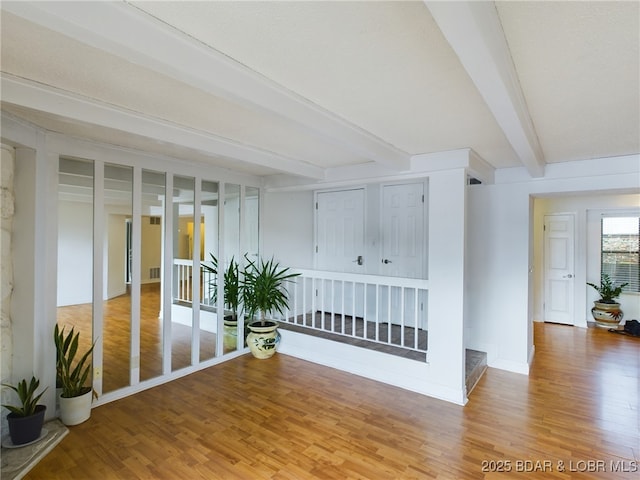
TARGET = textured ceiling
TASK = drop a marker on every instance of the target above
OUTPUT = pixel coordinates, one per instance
(580, 74)
(302, 87)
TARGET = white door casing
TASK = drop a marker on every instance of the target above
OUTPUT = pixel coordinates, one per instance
(559, 279)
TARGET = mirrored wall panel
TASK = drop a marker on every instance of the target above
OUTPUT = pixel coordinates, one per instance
(208, 269)
(117, 263)
(233, 260)
(75, 249)
(182, 288)
(151, 238)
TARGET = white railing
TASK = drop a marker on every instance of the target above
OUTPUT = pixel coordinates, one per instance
(386, 310)
(183, 283)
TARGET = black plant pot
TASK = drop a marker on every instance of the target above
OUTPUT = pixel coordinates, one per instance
(26, 429)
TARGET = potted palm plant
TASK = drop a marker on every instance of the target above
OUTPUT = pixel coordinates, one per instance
(231, 287)
(72, 373)
(606, 311)
(25, 421)
(263, 291)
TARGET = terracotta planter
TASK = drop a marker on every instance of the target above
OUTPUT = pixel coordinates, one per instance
(263, 338)
(75, 410)
(24, 430)
(607, 315)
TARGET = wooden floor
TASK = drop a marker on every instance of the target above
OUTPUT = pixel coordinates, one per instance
(285, 418)
(116, 337)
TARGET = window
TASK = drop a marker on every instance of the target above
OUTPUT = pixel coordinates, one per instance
(621, 251)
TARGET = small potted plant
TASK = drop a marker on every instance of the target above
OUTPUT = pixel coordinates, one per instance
(263, 292)
(606, 311)
(72, 374)
(25, 421)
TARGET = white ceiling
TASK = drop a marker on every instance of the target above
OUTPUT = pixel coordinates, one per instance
(304, 88)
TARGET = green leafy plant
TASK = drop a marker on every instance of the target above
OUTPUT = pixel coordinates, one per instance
(71, 373)
(607, 291)
(27, 395)
(231, 283)
(212, 268)
(232, 287)
(263, 288)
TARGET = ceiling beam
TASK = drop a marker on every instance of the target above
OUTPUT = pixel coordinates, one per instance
(32, 95)
(474, 31)
(126, 31)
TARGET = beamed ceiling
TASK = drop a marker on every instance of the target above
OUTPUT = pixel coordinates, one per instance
(299, 89)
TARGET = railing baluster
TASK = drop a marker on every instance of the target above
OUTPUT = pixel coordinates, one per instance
(415, 317)
(365, 317)
(332, 294)
(353, 305)
(342, 309)
(389, 288)
(377, 317)
(313, 302)
(402, 322)
(304, 301)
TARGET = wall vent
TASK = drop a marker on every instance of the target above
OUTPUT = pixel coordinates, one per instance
(154, 220)
(154, 272)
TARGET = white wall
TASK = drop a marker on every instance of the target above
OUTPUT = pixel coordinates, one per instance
(286, 228)
(588, 210)
(75, 253)
(115, 255)
(498, 274)
(500, 243)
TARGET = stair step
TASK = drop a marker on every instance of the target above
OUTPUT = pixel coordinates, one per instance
(475, 366)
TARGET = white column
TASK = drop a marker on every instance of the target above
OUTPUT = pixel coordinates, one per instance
(446, 348)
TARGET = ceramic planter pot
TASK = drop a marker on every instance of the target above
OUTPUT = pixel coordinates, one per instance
(24, 430)
(606, 315)
(263, 338)
(75, 410)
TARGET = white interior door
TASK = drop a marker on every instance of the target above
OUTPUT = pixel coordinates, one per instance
(403, 248)
(340, 231)
(340, 247)
(559, 245)
(403, 230)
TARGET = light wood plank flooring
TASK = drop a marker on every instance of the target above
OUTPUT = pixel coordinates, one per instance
(285, 418)
(117, 331)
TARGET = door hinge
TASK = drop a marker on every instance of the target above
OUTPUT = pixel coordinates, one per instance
(316, 248)
(422, 198)
(316, 205)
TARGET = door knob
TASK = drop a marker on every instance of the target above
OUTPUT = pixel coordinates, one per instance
(359, 260)
(568, 276)
(386, 260)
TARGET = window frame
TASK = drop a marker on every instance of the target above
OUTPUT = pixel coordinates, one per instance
(634, 287)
